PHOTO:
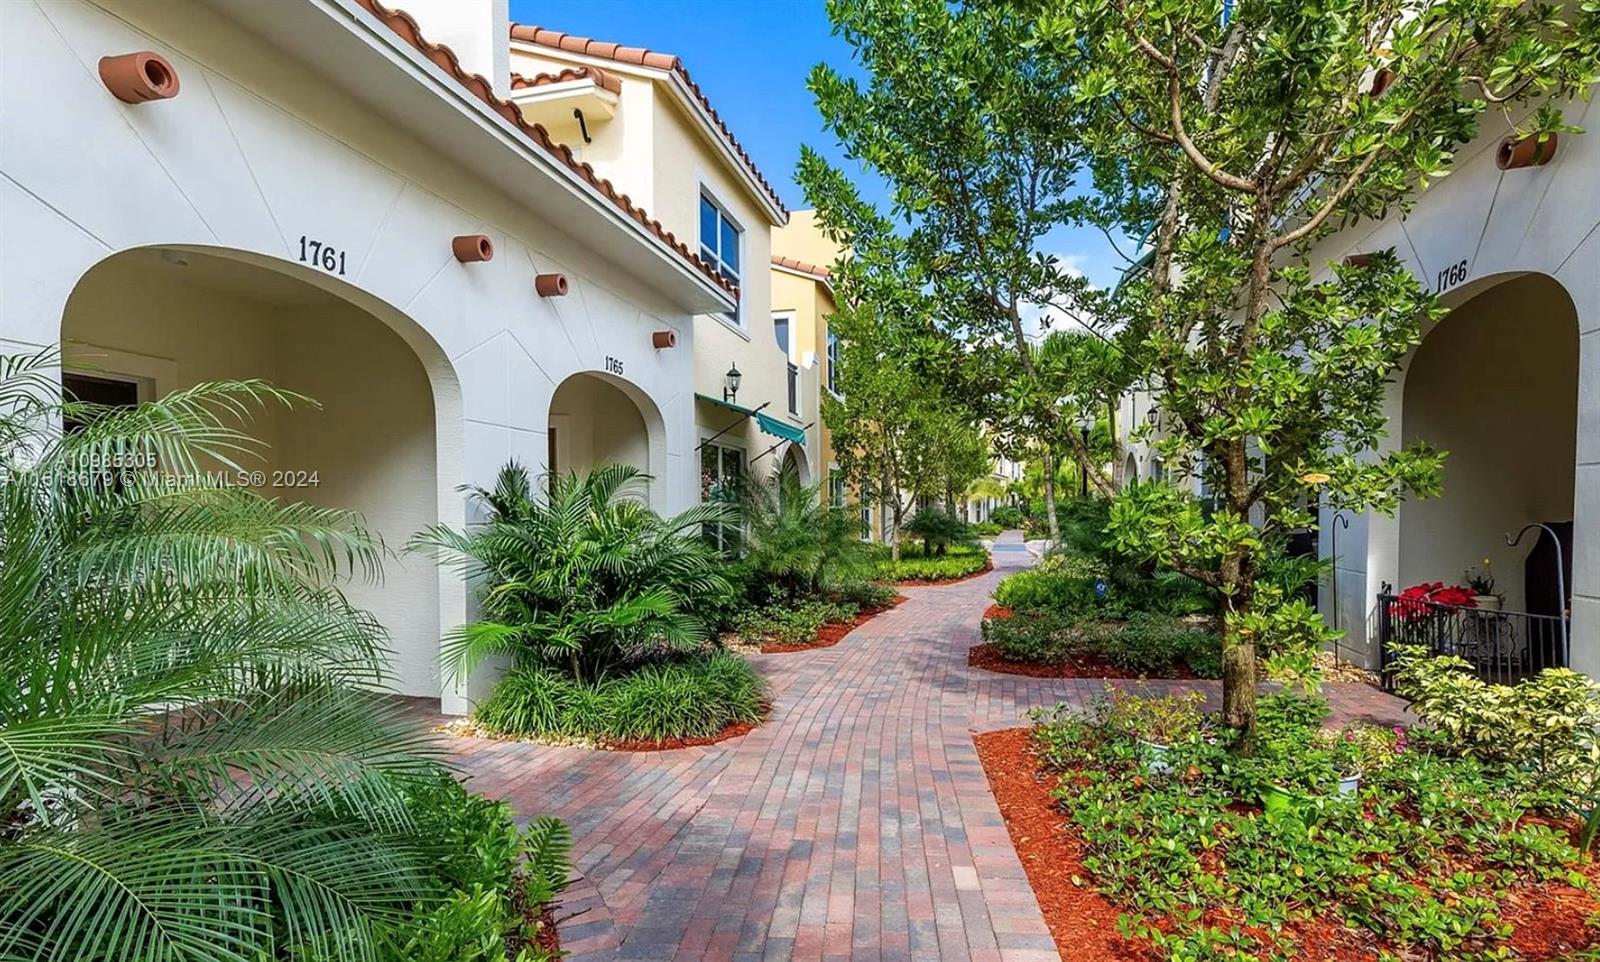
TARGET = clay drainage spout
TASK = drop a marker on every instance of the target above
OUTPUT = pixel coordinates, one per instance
(1530, 151)
(662, 340)
(135, 78)
(469, 248)
(551, 285)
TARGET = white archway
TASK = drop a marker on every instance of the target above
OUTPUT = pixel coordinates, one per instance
(795, 455)
(385, 440)
(598, 419)
(1495, 384)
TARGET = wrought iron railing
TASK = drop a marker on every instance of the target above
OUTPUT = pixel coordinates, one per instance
(1501, 646)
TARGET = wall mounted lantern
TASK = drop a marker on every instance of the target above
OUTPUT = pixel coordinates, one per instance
(730, 384)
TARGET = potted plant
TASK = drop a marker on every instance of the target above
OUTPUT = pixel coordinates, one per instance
(1155, 722)
(1482, 584)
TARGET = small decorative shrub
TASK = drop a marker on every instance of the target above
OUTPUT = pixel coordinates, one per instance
(693, 697)
(915, 565)
(938, 530)
(498, 878)
(864, 595)
(1163, 719)
(791, 624)
(1060, 583)
(1006, 516)
(986, 529)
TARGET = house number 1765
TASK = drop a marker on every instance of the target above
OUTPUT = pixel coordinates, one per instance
(318, 254)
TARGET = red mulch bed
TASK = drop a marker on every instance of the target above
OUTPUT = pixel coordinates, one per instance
(987, 656)
(988, 566)
(997, 613)
(1082, 921)
(830, 634)
(1548, 922)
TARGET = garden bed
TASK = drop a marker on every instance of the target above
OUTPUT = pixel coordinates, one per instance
(989, 657)
(831, 633)
(988, 566)
(1378, 907)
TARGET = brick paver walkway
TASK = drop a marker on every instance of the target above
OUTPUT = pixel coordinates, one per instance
(856, 824)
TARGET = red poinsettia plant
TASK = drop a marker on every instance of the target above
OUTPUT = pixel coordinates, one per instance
(1414, 602)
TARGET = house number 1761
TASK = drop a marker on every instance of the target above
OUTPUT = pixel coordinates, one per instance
(318, 254)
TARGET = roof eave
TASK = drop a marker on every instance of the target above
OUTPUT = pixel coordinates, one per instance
(374, 64)
(776, 215)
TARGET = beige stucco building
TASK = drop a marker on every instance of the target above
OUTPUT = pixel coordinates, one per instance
(640, 120)
(316, 193)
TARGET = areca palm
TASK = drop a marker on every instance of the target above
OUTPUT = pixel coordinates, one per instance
(793, 538)
(191, 764)
(588, 578)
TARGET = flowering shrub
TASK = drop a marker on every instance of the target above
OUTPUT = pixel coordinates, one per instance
(1413, 603)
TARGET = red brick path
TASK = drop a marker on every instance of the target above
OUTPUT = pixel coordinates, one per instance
(856, 824)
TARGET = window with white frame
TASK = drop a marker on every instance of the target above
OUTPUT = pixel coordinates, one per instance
(781, 323)
(719, 245)
(836, 489)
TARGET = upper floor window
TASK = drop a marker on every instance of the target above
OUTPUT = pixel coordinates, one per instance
(719, 244)
(833, 362)
(780, 331)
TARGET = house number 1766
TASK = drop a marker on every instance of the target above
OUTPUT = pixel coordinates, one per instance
(318, 254)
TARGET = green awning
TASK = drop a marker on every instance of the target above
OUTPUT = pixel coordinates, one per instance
(767, 423)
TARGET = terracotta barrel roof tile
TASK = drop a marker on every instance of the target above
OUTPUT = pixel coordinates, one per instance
(406, 28)
(528, 33)
(604, 79)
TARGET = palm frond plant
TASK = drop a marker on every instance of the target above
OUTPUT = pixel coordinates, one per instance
(796, 543)
(192, 762)
(587, 579)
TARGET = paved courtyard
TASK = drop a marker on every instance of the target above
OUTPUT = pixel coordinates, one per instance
(856, 824)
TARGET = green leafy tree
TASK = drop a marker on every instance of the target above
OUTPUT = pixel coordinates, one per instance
(1236, 135)
(896, 436)
(588, 579)
(192, 765)
(976, 141)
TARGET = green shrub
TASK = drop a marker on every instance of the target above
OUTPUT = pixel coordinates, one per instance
(1148, 644)
(690, 697)
(493, 873)
(938, 530)
(915, 565)
(794, 623)
(1061, 583)
(1007, 516)
(1549, 723)
(862, 595)
(587, 578)
(796, 542)
(986, 529)
(1033, 636)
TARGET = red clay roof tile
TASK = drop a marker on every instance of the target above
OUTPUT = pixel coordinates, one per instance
(406, 28)
(529, 33)
(604, 79)
(802, 267)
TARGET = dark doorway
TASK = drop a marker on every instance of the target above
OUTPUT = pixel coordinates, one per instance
(96, 390)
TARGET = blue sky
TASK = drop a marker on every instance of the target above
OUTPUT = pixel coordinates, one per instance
(752, 58)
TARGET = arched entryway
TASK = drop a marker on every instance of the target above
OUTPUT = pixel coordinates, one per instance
(794, 459)
(1130, 471)
(383, 438)
(597, 419)
(1495, 384)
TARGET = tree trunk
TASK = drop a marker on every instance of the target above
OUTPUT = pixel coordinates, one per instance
(1050, 495)
(1239, 671)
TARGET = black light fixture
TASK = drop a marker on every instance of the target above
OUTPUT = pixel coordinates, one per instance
(730, 384)
(1153, 416)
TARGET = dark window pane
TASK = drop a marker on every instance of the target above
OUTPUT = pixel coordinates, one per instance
(730, 246)
(708, 224)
